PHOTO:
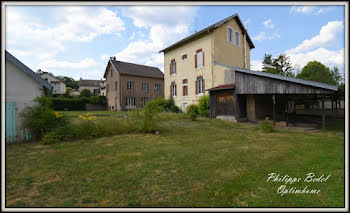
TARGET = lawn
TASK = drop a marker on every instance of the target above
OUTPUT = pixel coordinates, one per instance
(203, 163)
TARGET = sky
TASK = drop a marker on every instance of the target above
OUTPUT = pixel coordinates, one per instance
(77, 41)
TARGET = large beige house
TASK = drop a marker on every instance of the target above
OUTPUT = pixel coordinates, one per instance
(193, 64)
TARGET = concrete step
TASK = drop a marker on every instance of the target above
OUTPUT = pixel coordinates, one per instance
(227, 118)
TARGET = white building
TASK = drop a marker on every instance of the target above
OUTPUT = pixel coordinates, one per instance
(59, 87)
(22, 87)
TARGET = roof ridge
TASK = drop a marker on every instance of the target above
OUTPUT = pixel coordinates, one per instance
(135, 64)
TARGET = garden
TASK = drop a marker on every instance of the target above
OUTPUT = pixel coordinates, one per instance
(158, 157)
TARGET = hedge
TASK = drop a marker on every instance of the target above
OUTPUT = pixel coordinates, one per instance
(69, 103)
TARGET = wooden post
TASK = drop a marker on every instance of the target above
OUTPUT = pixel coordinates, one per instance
(336, 106)
(323, 114)
(274, 109)
(287, 112)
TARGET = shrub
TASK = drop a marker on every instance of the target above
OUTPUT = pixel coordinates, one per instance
(41, 119)
(168, 104)
(175, 109)
(192, 107)
(98, 99)
(192, 111)
(85, 93)
(75, 103)
(266, 127)
(148, 122)
(203, 106)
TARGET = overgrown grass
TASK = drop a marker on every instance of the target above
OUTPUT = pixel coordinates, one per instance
(206, 163)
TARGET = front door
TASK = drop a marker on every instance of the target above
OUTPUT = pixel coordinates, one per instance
(184, 105)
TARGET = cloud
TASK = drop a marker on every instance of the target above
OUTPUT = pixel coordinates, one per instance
(246, 22)
(262, 36)
(302, 9)
(165, 25)
(26, 35)
(268, 24)
(256, 65)
(315, 48)
(326, 37)
(87, 67)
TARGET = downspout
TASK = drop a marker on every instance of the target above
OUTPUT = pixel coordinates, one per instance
(245, 49)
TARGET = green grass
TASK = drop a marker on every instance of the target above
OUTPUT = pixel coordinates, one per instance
(203, 163)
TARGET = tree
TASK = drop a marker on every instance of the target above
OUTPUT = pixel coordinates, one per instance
(68, 90)
(70, 82)
(316, 71)
(280, 65)
(85, 93)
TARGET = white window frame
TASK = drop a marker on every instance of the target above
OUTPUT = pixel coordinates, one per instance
(171, 71)
(232, 35)
(130, 102)
(186, 84)
(173, 89)
(144, 101)
(130, 86)
(200, 67)
(156, 89)
(145, 87)
(198, 87)
(239, 38)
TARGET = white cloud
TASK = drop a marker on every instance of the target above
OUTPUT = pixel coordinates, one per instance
(26, 36)
(268, 24)
(329, 58)
(326, 37)
(247, 22)
(315, 48)
(166, 25)
(262, 36)
(302, 9)
(88, 68)
(256, 65)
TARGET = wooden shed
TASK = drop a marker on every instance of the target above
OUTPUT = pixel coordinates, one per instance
(256, 95)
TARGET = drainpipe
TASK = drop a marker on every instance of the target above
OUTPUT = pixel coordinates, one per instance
(245, 49)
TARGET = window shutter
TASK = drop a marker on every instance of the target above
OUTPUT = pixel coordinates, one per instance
(175, 68)
(203, 85)
(196, 88)
(170, 91)
(203, 58)
(183, 91)
(195, 61)
(175, 90)
(170, 69)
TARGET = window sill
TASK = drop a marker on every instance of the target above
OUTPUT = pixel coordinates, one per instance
(199, 68)
(173, 74)
(186, 96)
(200, 94)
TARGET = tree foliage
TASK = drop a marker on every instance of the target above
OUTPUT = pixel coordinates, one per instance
(316, 71)
(85, 93)
(280, 65)
(70, 82)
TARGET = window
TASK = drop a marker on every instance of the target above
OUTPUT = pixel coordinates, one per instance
(144, 101)
(116, 86)
(172, 67)
(229, 34)
(237, 38)
(145, 87)
(96, 91)
(130, 102)
(111, 72)
(130, 85)
(184, 57)
(184, 87)
(173, 89)
(157, 87)
(107, 88)
(46, 79)
(199, 58)
(199, 85)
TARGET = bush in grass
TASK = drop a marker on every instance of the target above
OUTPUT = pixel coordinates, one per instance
(98, 99)
(88, 129)
(175, 109)
(41, 119)
(192, 111)
(266, 127)
(85, 93)
(168, 104)
(148, 123)
(203, 106)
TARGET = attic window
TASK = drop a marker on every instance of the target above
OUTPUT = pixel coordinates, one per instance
(237, 38)
(111, 72)
(229, 34)
(184, 57)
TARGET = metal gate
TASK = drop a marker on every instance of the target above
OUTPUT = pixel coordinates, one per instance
(10, 122)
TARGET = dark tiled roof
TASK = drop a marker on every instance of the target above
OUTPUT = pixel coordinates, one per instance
(136, 69)
(214, 26)
(89, 83)
(26, 70)
(223, 86)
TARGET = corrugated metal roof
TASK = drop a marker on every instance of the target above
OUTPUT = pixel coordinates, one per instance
(26, 70)
(280, 77)
(213, 26)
